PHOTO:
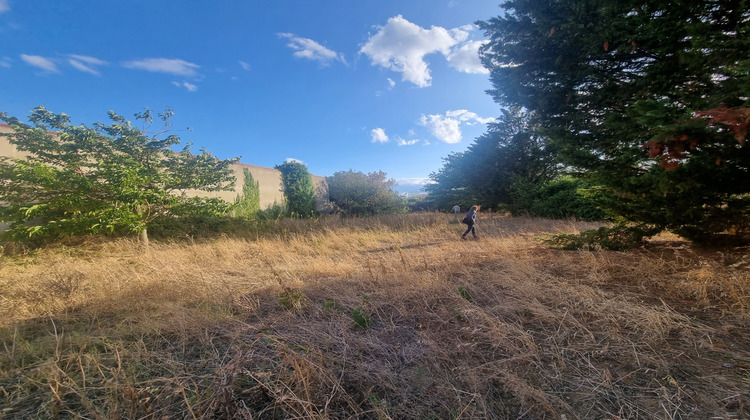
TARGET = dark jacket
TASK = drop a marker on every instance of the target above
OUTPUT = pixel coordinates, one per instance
(471, 217)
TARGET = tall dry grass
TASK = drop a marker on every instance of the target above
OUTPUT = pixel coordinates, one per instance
(390, 317)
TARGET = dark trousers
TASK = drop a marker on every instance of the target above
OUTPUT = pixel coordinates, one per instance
(470, 229)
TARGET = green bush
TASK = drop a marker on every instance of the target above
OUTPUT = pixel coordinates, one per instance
(557, 199)
(247, 204)
(359, 194)
(276, 211)
(616, 238)
(299, 190)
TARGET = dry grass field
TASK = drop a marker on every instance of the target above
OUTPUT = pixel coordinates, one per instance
(379, 318)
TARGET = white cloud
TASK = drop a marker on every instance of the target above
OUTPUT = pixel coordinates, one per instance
(378, 135)
(391, 82)
(293, 160)
(4, 6)
(447, 127)
(245, 66)
(465, 58)
(85, 63)
(173, 66)
(402, 142)
(40, 62)
(189, 86)
(6, 62)
(468, 117)
(311, 50)
(462, 34)
(401, 46)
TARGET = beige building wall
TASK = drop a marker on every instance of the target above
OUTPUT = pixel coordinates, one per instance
(269, 183)
(269, 180)
(271, 187)
(7, 149)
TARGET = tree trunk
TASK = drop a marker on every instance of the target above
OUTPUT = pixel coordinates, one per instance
(143, 237)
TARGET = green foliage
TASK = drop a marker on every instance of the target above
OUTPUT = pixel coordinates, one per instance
(194, 226)
(556, 199)
(107, 179)
(616, 238)
(331, 305)
(417, 203)
(293, 299)
(299, 190)
(361, 319)
(464, 292)
(451, 183)
(247, 205)
(356, 193)
(649, 99)
(274, 212)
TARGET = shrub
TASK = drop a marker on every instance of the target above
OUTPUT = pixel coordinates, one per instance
(360, 194)
(616, 238)
(299, 190)
(247, 205)
(557, 199)
(276, 211)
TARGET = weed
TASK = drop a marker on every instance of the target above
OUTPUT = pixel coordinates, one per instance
(379, 406)
(293, 299)
(464, 292)
(331, 305)
(361, 319)
(459, 314)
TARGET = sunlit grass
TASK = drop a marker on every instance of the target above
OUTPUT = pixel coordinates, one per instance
(390, 317)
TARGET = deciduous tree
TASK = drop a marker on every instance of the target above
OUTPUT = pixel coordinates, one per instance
(248, 204)
(357, 193)
(78, 180)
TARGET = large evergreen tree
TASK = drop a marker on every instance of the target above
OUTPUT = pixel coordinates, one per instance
(484, 174)
(648, 98)
(78, 180)
(451, 184)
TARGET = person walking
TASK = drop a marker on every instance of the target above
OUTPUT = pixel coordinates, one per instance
(471, 220)
(456, 210)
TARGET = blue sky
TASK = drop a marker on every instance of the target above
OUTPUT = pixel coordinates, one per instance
(368, 85)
